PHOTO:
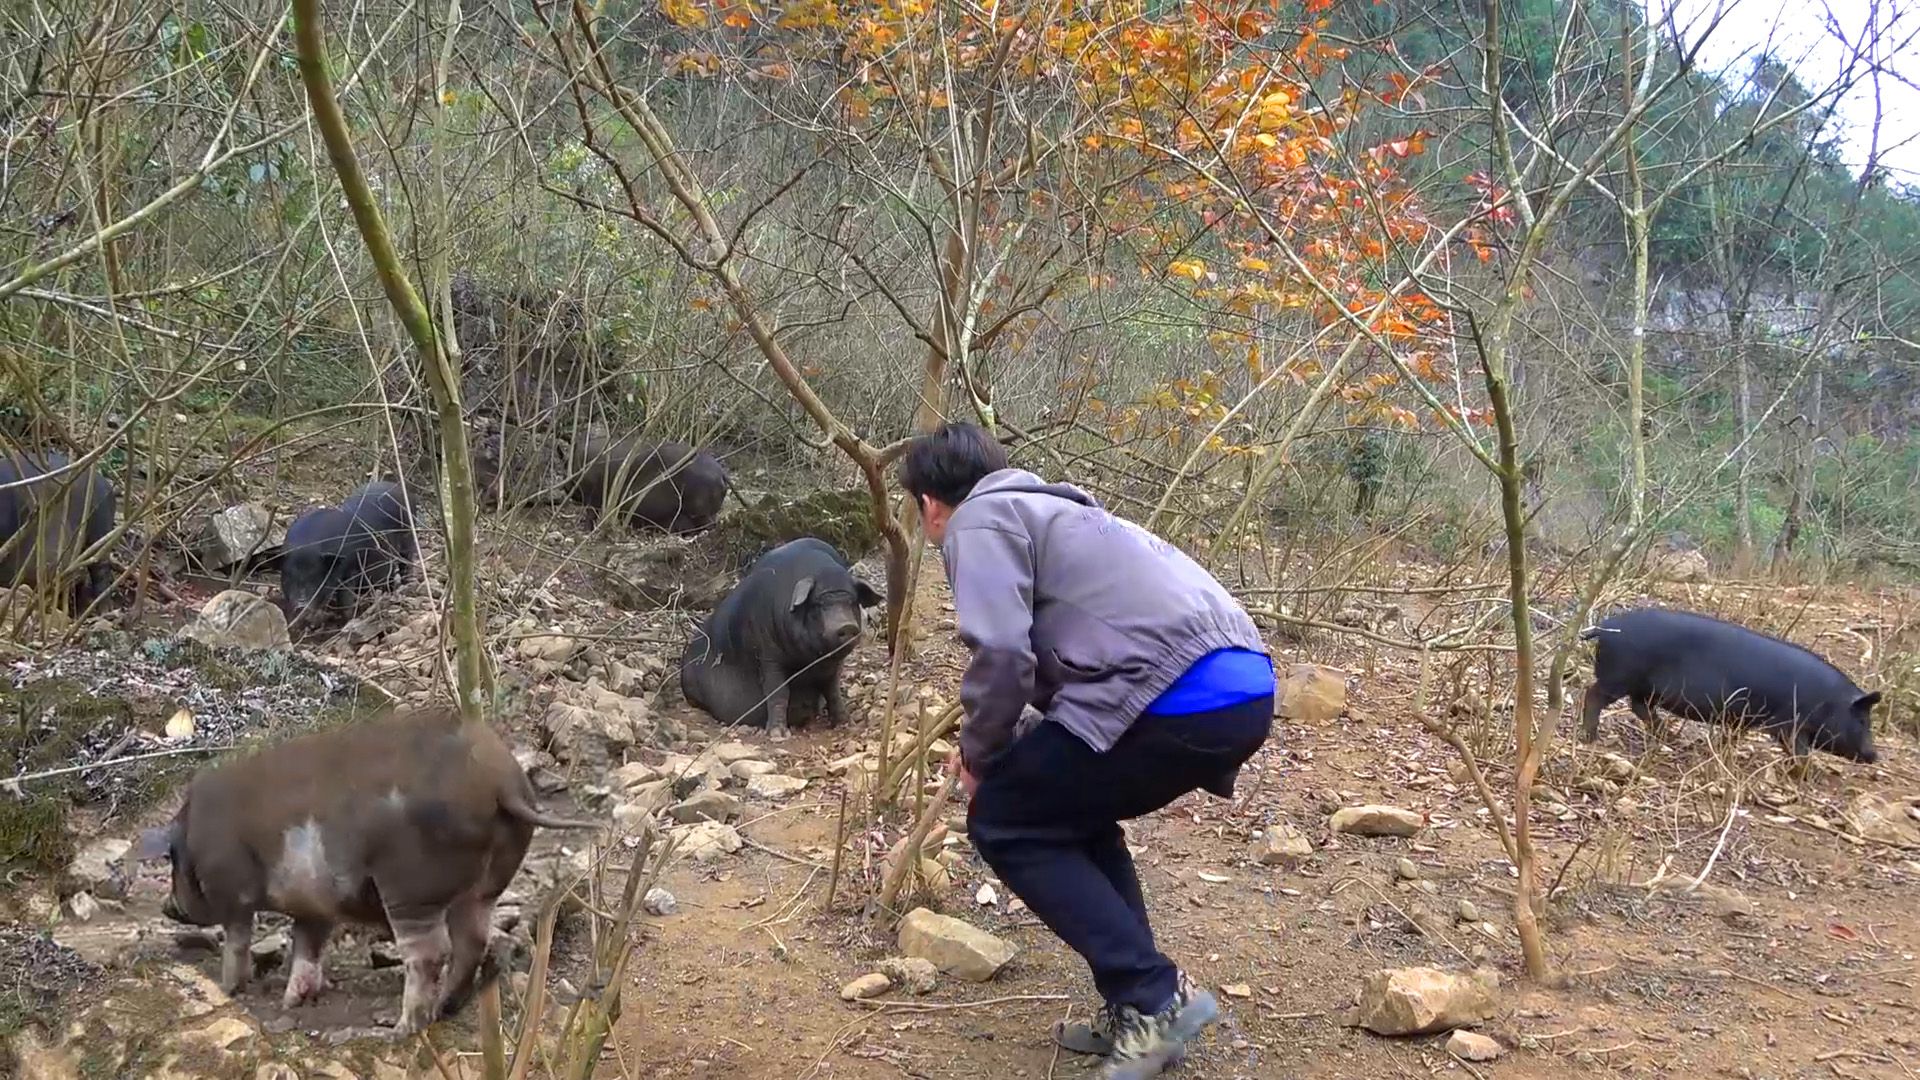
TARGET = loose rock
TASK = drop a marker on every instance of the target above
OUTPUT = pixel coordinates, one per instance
(955, 947)
(747, 770)
(1469, 1046)
(708, 841)
(912, 974)
(659, 902)
(238, 619)
(1377, 821)
(866, 986)
(773, 786)
(100, 868)
(1283, 846)
(1313, 694)
(709, 805)
(222, 1033)
(727, 753)
(236, 533)
(1890, 821)
(1405, 870)
(1422, 1001)
(1468, 912)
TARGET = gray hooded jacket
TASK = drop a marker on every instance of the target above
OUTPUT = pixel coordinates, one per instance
(1084, 615)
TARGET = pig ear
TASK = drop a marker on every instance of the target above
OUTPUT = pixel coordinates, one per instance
(865, 592)
(801, 590)
(154, 844)
(1866, 701)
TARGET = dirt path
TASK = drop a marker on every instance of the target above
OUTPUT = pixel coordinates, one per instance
(1796, 959)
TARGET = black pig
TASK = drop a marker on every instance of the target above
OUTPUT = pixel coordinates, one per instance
(335, 556)
(772, 651)
(49, 521)
(667, 485)
(1704, 669)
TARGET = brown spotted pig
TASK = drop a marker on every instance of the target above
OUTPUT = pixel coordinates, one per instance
(412, 822)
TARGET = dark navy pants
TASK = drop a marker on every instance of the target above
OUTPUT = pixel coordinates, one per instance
(1046, 819)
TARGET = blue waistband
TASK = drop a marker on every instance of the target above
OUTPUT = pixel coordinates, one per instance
(1219, 680)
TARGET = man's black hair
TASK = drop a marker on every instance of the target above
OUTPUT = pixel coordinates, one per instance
(947, 463)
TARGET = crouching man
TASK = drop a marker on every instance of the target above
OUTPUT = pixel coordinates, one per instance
(1152, 682)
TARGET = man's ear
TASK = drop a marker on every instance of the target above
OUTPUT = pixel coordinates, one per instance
(801, 590)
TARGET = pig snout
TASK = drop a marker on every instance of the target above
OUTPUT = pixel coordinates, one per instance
(842, 626)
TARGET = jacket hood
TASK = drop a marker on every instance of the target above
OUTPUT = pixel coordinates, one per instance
(1020, 481)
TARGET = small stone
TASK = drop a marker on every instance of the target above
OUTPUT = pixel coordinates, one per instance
(954, 947)
(1283, 846)
(1237, 990)
(238, 619)
(708, 841)
(986, 896)
(1891, 821)
(82, 906)
(1617, 768)
(553, 648)
(268, 950)
(1313, 694)
(100, 868)
(727, 753)
(1422, 1001)
(747, 770)
(1469, 1046)
(1467, 912)
(1377, 821)
(659, 902)
(774, 787)
(1405, 870)
(912, 974)
(222, 1033)
(709, 805)
(632, 775)
(232, 535)
(865, 987)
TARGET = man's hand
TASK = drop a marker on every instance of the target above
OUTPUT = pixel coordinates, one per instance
(958, 765)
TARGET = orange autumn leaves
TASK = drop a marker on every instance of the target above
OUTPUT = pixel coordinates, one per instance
(1230, 120)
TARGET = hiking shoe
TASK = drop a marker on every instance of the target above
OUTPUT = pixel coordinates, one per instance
(1143, 1045)
(1095, 1037)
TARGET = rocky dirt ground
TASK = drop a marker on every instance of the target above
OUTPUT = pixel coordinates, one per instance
(1712, 916)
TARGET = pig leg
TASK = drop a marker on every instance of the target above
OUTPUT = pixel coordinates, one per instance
(424, 946)
(307, 981)
(773, 685)
(1649, 717)
(236, 958)
(470, 920)
(1590, 705)
(836, 704)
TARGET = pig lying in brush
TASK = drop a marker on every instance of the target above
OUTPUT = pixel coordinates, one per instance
(1707, 670)
(416, 823)
(49, 521)
(770, 654)
(663, 485)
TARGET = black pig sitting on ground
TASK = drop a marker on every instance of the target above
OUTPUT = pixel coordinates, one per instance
(1714, 672)
(770, 654)
(665, 485)
(335, 556)
(49, 521)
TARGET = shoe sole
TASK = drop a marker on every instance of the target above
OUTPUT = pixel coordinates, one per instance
(1201, 1012)
(1080, 1039)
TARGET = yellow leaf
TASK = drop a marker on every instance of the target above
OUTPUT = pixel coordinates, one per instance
(1191, 269)
(1255, 265)
(448, 97)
